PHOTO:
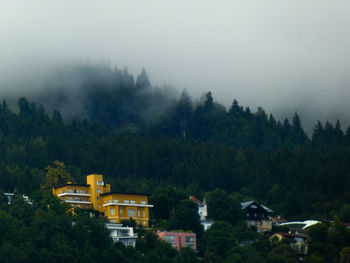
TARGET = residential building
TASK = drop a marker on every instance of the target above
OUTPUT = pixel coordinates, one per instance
(96, 194)
(298, 227)
(277, 220)
(257, 216)
(77, 195)
(202, 212)
(347, 225)
(11, 196)
(179, 239)
(296, 241)
(202, 207)
(118, 206)
(122, 234)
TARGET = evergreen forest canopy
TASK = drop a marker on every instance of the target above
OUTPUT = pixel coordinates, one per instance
(141, 137)
(146, 139)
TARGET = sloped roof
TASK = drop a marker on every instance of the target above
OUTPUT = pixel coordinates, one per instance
(291, 235)
(301, 225)
(246, 204)
(196, 200)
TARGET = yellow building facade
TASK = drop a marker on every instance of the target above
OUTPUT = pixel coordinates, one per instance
(97, 195)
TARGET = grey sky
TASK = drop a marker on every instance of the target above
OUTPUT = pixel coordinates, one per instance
(283, 55)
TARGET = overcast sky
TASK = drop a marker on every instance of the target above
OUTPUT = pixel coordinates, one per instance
(283, 55)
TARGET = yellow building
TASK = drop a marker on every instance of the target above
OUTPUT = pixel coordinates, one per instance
(77, 195)
(97, 195)
(119, 206)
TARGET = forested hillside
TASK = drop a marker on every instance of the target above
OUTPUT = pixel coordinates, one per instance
(141, 137)
(147, 139)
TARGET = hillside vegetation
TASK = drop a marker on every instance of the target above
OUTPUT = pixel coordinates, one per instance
(143, 139)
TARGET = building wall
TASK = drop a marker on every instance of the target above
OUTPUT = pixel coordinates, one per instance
(118, 207)
(96, 194)
(179, 239)
(75, 195)
(97, 187)
(261, 225)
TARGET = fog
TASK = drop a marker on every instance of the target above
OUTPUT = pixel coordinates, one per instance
(285, 56)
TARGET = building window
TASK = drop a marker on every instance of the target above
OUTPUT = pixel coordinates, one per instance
(143, 202)
(63, 191)
(138, 213)
(170, 239)
(100, 183)
(112, 220)
(78, 205)
(112, 211)
(126, 201)
(144, 222)
(115, 201)
(70, 191)
(99, 198)
(121, 211)
(190, 242)
(109, 201)
(132, 202)
(99, 206)
(131, 212)
(70, 198)
(189, 239)
(98, 190)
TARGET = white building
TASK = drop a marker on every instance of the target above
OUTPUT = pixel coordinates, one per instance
(11, 197)
(122, 234)
(202, 212)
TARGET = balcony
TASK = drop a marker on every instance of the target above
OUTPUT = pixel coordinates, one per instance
(73, 194)
(78, 202)
(123, 204)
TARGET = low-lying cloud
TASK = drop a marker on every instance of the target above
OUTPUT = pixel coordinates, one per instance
(285, 56)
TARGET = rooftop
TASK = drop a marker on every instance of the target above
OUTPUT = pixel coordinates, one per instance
(70, 184)
(123, 193)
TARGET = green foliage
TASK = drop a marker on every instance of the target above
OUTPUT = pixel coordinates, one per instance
(345, 255)
(165, 200)
(188, 255)
(283, 254)
(45, 232)
(56, 175)
(327, 241)
(222, 206)
(314, 259)
(186, 217)
(219, 239)
(318, 232)
(345, 213)
(128, 222)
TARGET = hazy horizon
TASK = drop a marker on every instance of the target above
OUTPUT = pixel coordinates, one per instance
(284, 56)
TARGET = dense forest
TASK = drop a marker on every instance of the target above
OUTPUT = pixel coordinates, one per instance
(143, 139)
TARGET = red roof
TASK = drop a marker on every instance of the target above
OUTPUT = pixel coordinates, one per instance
(196, 200)
(290, 235)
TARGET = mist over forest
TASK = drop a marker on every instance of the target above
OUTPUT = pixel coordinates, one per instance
(227, 101)
(90, 90)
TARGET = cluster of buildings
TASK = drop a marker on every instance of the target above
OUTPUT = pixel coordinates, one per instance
(118, 206)
(115, 206)
(259, 217)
